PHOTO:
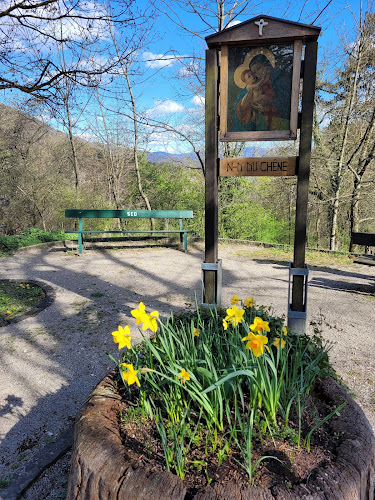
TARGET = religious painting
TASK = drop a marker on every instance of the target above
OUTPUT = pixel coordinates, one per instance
(259, 92)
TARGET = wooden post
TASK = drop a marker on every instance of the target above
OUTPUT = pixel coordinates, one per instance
(211, 179)
(253, 37)
(298, 281)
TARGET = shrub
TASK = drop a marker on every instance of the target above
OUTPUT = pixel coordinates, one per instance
(30, 236)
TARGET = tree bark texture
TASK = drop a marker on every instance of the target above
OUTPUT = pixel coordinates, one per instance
(101, 470)
(340, 165)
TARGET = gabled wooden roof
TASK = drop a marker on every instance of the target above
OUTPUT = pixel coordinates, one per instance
(257, 32)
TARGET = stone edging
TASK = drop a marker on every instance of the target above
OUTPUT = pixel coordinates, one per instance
(43, 459)
(100, 468)
(50, 296)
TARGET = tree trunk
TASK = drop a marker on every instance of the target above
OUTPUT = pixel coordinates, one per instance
(340, 167)
(136, 164)
(367, 153)
(354, 211)
(73, 148)
(135, 125)
(113, 174)
(318, 232)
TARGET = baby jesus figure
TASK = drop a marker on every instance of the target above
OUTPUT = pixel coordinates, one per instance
(250, 104)
(252, 86)
(255, 109)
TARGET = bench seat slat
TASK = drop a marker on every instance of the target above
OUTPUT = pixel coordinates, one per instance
(135, 231)
(128, 214)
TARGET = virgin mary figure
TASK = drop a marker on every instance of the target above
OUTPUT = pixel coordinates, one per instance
(256, 104)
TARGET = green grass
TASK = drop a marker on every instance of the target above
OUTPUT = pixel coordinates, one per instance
(29, 237)
(17, 298)
(284, 255)
(4, 482)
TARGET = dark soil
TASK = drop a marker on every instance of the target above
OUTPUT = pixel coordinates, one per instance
(291, 465)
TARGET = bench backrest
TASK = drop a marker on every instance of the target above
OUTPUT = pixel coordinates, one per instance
(128, 214)
(366, 239)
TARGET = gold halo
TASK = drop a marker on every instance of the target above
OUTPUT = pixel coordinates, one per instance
(246, 64)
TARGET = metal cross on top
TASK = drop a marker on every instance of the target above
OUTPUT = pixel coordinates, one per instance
(261, 23)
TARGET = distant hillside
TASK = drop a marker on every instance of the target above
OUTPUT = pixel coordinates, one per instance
(163, 157)
(191, 158)
(17, 126)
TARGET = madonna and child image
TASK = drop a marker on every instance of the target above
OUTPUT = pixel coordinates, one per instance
(259, 88)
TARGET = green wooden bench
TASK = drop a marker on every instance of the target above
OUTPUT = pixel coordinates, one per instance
(131, 214)
(367, 240)
(364, 239)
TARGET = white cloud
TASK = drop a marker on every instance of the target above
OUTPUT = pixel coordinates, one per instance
(187, 70)
(165, 108)
(82, 22)
(198, 100)
(233, 23)
(168, 143)
(159, 60)
(95, 62)
(88, 137)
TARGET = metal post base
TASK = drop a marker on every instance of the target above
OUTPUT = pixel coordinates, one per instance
(298, 325)
(207, 266)
(297, 319)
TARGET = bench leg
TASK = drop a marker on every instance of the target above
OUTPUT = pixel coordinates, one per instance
(80, 238)
(80, 243)
(185, 242)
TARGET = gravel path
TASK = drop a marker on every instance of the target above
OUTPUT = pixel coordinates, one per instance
(52, 361)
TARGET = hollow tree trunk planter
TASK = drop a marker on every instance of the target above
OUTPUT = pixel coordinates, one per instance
(101, 469)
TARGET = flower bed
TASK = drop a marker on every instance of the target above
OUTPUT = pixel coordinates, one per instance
(218, 405)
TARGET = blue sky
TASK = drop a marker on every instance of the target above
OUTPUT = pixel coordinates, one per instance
(164, 94)
(336, 20)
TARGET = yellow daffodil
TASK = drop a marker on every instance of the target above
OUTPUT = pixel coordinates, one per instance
(139, 313)
(8, 312)
(225, 324)
(148, 320)
(256, 343)
(277, 343)
(129, 376)
(249, 302)
(183, 375)
(196, 332)
(122, 337)
(234, 300)
(234, 315)
(285, 331)
(259, 325)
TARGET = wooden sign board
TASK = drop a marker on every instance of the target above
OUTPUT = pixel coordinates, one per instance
(241, 167)
(260, 72)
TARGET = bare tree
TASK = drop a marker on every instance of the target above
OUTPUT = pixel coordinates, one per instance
(214, 15)
(117, 156)
(352, 123)
(31, 28)
(125, 64)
